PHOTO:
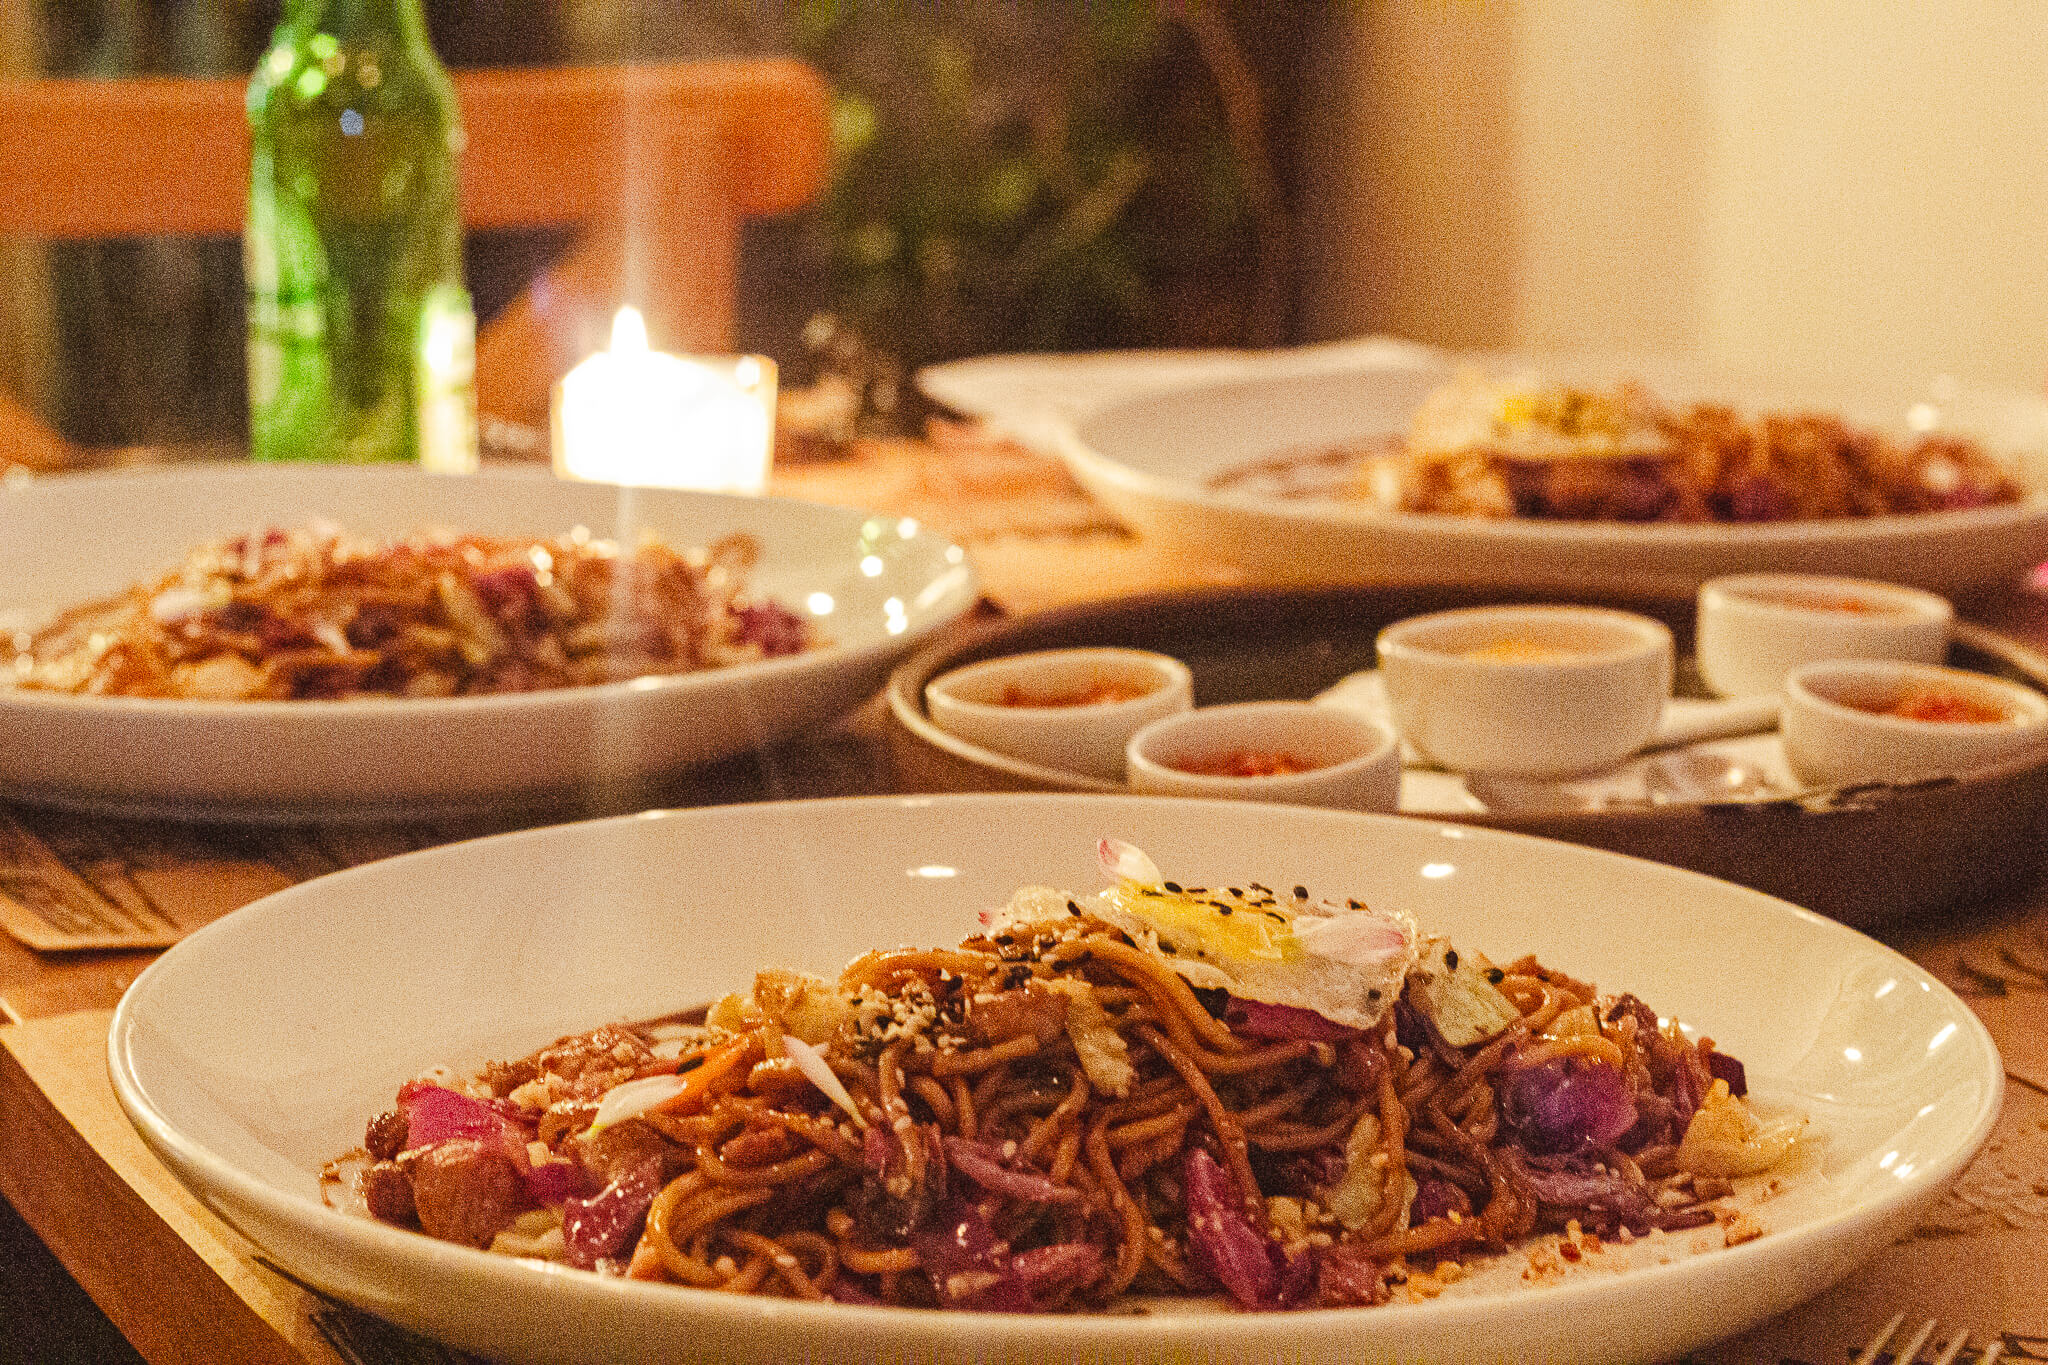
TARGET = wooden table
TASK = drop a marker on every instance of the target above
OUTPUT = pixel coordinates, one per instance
(184, 1287)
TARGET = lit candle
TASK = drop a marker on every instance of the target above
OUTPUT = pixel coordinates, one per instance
(632, 415)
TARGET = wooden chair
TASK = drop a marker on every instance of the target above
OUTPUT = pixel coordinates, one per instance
(658, 165)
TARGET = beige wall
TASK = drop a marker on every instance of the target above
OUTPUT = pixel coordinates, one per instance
(1832, 184)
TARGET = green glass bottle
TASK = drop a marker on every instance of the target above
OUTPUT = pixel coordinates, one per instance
(362, 339)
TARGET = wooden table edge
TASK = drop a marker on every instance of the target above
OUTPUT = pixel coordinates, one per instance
(79, 1174)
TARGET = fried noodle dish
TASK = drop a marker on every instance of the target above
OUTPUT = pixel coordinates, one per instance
(313, 614)
(1233, 1093)
(1517, 447)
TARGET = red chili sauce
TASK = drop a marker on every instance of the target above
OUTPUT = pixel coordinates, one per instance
(1100, 692)
(1939, 704)
(1247, 763)
(1823, 601)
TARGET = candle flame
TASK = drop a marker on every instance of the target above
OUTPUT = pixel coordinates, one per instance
(629, 332)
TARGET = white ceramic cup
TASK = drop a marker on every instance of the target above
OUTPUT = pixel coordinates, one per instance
(1527, 691)
(1350, 760)
(1836, 732)
(1024, 705)
(1755, 628)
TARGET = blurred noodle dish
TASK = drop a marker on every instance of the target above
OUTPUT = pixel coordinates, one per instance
(313, 613)
(1486, 447)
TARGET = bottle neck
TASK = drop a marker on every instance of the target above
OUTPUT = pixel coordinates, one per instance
(399, 19)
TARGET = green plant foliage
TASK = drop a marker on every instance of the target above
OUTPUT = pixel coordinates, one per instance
(1022, 177)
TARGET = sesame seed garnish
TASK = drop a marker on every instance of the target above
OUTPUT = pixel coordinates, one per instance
(1174, 887)
(1301, 893)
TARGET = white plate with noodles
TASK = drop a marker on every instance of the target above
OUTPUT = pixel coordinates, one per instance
(1271, 471)
(861, 589)
(249, 1086)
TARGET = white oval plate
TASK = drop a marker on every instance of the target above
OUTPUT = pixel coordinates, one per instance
(1153, 459)
(66, 539)
(245, 1081)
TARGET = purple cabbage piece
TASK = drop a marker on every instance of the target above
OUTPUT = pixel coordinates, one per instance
(888, 1205)
(844, 1290)
(1048, 1271)
(435, 1114)
(1568, 1104)
(984, 1166)
(1221, 1238)
(1599, 1195)
(508, 593)
(1641, 494)
(555, 1182)
(599, 1227)
(1282, 1023)
(773, 627)
(1722, 1067)
(969, 1265)
(1759, 497)
(1223, 1242)
(1434, 1198)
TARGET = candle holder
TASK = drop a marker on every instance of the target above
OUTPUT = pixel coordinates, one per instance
(633, 415)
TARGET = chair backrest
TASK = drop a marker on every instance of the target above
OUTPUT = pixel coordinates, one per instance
(658, 164)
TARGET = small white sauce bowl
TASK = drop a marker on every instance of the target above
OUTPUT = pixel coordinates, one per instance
(981, 704)
(1352, 761)
(1835, 732)
(1527, 691)
(1755, 628)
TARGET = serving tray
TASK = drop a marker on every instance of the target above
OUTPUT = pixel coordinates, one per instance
(1863, 855)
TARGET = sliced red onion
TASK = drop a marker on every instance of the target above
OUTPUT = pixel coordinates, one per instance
(1283, 1023)
(599, 1227)
(984, 1166)
(1222, 1240)
(1568, 1104)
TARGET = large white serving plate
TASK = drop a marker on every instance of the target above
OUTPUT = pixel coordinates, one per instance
(256, 1049)
(874, 585)
(1153, 460)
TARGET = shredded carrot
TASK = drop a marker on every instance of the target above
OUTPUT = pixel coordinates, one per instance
(719, 1063)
